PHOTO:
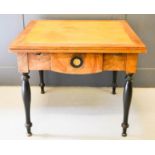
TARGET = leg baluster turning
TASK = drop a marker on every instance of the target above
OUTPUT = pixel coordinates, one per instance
(42, 84)
(127, 96)
(114, 82)
(26, 94)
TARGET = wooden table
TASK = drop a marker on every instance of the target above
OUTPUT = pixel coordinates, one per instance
(77, 47)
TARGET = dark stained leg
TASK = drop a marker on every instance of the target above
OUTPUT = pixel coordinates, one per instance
(42, 84)
(26, 94)
(127, 96)
(114, 82)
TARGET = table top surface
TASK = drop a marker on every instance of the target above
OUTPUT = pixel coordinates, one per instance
(100, 35)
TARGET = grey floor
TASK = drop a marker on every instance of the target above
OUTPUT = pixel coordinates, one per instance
(77, 113)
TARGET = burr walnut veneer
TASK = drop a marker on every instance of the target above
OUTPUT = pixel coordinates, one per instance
(78, 47)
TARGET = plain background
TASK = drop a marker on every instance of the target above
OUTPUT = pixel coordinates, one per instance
(12, 25)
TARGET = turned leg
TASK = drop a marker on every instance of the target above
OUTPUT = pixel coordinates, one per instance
(127, 96)
(42, 84)
(26, 94)
(114, 82)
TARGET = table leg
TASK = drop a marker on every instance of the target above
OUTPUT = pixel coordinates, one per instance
(42, 84)
(114, 82)
(127, 96)
(26, 94)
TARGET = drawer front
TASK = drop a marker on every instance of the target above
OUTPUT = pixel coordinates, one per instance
(76, 63)
(114, 62)
(39, 61)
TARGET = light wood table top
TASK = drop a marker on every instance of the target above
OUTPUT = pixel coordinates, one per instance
(88, 36)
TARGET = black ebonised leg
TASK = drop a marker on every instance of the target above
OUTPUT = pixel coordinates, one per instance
(114, 82)
(127, 96)
(42, 84)
(26, 94)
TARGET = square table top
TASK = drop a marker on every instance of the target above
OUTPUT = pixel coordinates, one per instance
(100, 36)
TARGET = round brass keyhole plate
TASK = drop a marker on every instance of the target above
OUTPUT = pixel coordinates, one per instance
(76, 62)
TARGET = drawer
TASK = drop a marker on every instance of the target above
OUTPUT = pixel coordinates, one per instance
(114, 62)
(76, 63)
(39, 61)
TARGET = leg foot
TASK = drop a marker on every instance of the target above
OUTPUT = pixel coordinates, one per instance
(124, 126)
(124, 134)
(28, 128)
(114, 82)
(42, 84)
(127, 96)
(26, 94)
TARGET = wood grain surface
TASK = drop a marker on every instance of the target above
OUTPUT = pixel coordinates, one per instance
(103, 45)
(22, 61)
(120, 62)
(131, 63)
(41, 61)
(92, 63)
(78, 36)
(114, 62)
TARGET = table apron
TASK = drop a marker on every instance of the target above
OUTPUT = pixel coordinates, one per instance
(91, 62)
